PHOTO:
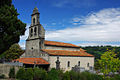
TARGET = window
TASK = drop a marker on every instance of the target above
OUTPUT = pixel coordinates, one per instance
(33, 21)
(31, 32)
(78, 63)
(35, 31)
(68, 64)
(88, 65)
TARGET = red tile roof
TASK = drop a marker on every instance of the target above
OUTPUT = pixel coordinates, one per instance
(32, 60)
(59, 44)
(67, 53)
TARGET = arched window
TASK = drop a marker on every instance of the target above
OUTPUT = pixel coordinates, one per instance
(78, 63)
(88, 65)
(35, 31)
(33, 21)
(68, 64)
(31, 32)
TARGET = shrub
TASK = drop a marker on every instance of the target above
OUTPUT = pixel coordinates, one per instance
(66, 76)
(2, 76)
(74, 75)
(40, 74)
(12, 73)
(20, 74)
(28, 74)
(90, 76)
(53, 74)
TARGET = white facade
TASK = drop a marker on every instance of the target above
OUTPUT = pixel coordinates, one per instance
(84, 61)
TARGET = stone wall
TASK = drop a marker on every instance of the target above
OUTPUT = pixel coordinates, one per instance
(61, 48)
(44, 55)
(5, 68)
(32, 48)
(73, 61)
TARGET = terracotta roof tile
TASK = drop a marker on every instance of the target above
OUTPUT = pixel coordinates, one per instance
(67, 53)
(32, 60)
(59, 44)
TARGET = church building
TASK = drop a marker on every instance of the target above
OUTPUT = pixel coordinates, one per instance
(51, 54)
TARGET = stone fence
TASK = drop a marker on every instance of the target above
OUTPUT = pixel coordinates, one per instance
(5, 68)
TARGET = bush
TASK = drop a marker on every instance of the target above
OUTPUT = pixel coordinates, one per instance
(29, 74)
(40, 74)
(116, 77)
(90, 76)
(12, 73)
(66, 76)
(74, 75)
(20, 74)
(53, 74)
(2, 76)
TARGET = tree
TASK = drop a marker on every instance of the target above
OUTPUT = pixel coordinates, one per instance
(109, 62)
(13, 52)
(11, 28)
(12, 73)
(53, 74)
(40, 74)
(20, 75)
(29, 74)
(66, 76)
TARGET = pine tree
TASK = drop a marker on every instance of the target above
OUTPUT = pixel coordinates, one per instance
(10, 26)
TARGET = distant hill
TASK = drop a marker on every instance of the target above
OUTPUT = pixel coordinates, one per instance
(98, 50)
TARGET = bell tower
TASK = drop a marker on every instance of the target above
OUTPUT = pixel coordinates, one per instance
(35, 41)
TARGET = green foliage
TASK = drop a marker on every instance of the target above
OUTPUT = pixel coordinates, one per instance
(13, 52)
(109, 62)
(116, 77)
(29, 74)
(21, 74)
(66, 76)
(40, 74)
(53, 74)
(89, 76)
(2, 76)
(71, 75)
(10, 26)
(97, 51)
(12, 73)
(74, 75)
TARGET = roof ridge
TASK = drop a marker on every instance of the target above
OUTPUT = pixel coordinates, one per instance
(60, 50)
(62, 43)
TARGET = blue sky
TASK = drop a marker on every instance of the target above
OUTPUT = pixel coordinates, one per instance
(81, 22)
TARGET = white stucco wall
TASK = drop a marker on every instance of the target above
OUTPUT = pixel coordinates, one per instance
(61, 48)
(73, 61)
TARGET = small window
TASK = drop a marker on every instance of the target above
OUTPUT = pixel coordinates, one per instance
(35, 31)
(31, 32)
(33, 21)
(68, 64)
(78, 63)
(88, 65)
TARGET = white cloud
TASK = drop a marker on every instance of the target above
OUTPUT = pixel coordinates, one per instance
(22, 45)
(100, 26)
(24, 37)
